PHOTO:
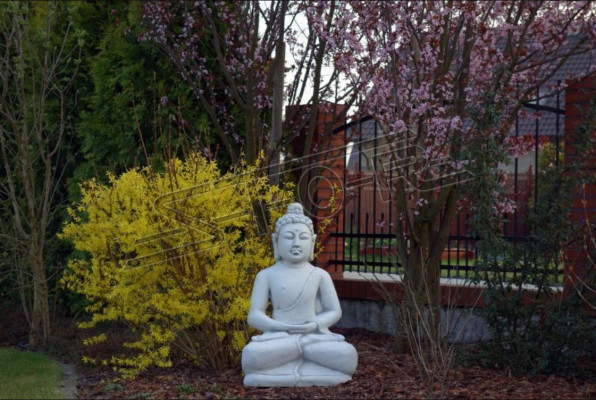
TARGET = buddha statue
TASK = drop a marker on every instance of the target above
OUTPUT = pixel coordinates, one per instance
(296, 347)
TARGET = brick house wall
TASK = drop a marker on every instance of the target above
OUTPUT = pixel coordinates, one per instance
(579, 96)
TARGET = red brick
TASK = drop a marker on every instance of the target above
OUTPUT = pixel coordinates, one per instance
(588, 190)
(577, 98)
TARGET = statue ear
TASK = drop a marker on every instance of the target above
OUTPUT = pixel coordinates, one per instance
(312, 249)
(275, 252)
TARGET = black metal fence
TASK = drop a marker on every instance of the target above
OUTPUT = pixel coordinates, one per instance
(365, 229)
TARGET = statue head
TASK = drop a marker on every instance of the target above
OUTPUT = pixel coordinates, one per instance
(296, 232)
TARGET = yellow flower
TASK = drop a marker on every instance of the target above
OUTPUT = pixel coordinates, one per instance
(173, 256)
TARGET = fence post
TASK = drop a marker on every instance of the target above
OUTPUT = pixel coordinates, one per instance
(578, 96)
(327, 160)
(329, 194)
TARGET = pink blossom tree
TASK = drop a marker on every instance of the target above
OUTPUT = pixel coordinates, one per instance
(446, 80)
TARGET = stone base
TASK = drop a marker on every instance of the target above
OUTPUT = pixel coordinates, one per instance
(296, 374)
(460, 325)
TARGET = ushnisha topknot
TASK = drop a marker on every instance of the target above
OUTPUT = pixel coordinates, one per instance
(295, 214)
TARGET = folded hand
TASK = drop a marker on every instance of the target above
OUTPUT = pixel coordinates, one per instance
(303, 328)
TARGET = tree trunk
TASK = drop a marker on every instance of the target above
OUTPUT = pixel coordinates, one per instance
(421, 308)
(40, 316)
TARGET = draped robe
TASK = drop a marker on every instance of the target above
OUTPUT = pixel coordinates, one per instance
(299, 296)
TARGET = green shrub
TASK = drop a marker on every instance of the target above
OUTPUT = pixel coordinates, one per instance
(535, 325)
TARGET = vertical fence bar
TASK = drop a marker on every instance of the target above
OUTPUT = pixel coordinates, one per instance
(536, 169)
(366, 245)
(557, 145)
(351, 254)
(360, 189)
(536, 140)
(344, 201)
(382, 257)
(467, 262)
(458, 232)
(557, 150)
(374, 196)
(516, 188)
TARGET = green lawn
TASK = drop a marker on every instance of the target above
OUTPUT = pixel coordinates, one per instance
(25, 375)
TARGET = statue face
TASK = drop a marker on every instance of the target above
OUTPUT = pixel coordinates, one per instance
(295, 243)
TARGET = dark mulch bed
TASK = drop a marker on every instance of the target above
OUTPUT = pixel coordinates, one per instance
(380, 374)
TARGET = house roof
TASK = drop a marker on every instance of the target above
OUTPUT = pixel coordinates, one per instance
(546, 124)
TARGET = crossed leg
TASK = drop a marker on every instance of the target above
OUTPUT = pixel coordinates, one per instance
(338, 356)
(261, 356)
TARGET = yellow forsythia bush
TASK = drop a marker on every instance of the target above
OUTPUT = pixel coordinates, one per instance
(173, 256)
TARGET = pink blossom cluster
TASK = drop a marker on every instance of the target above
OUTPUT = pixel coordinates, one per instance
(517, 146)
(505, 206)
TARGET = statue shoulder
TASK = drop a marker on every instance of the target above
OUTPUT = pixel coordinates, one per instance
(263, 275)
(269, 271)
(322, 273)
(264, 271)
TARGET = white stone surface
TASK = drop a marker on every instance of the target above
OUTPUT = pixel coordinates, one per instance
(458, 325)
(296, 347)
